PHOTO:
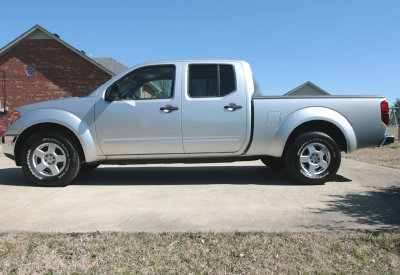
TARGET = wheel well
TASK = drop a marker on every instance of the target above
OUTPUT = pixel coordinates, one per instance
(45, 127)
(321, 126)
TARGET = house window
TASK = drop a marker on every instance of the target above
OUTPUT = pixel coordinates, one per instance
(31, 70)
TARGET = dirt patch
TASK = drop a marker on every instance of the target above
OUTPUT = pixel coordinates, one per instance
(388, 156)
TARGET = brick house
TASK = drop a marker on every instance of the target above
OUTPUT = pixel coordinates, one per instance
(39, 66)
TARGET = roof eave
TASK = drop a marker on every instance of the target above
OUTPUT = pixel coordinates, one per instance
(305, 84)
(38, 27)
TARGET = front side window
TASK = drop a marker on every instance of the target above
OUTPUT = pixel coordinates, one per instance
(154, 82)
(211, 80)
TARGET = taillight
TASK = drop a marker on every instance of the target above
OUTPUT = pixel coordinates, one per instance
(385, 112)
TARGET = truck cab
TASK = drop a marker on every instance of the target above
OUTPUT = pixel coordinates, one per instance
(164, 112)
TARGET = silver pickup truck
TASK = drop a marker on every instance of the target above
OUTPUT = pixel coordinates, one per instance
(191, 111)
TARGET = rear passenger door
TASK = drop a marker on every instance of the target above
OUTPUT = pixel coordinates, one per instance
(214, 108)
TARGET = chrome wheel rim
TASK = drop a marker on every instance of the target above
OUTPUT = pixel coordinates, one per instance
(314, 159)
(49, 159)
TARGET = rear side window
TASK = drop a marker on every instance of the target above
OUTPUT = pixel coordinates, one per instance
(211, 80)
(227, 79)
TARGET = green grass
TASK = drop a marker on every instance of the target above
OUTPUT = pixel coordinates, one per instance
(232, 253)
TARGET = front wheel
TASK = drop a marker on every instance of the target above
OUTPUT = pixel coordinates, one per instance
(50, 159)
(313, 158)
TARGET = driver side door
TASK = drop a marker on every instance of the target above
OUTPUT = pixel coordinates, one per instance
(146, 116)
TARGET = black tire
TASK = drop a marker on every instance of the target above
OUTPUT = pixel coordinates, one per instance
(45, 154)
(313, 158)
(273, 163)
(86, 167)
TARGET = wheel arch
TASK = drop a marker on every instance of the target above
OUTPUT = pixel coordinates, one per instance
(319, 126)
(315, 119)
(60, 120)
(41, 127)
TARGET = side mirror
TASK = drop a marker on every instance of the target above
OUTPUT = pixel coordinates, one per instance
(112, 92)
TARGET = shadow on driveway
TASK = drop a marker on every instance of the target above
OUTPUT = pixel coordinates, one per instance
(189, 175)
(379, 207)
(185, 176)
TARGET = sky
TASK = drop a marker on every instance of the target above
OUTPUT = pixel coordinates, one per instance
(344, 47)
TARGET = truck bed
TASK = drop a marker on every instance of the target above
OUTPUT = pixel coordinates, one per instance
(272, 115)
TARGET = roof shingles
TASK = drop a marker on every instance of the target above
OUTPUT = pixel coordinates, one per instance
(111, 64)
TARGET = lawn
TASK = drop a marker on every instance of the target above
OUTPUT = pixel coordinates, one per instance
(388, 156)
(233, 253)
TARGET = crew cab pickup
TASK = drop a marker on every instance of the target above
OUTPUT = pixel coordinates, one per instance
(191, 111)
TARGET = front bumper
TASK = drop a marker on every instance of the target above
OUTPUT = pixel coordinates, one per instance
(9, 145)
(387, 140)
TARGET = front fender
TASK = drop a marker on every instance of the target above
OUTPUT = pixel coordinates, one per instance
(311, 114)
(61, 117)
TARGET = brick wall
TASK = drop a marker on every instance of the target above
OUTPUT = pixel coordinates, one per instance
(59, 73)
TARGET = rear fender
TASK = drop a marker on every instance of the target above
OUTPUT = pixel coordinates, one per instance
(302, 116)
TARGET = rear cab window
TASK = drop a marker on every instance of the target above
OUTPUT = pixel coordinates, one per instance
(211, 80)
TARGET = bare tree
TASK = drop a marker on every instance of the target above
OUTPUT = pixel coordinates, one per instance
(397, 103)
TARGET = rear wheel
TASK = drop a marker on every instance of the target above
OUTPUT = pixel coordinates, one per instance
(50, 159)
(313, 158)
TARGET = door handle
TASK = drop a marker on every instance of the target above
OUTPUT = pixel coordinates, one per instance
(232, 107)
(168, 108)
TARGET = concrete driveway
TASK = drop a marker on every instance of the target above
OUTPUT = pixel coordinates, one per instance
(243, 196)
